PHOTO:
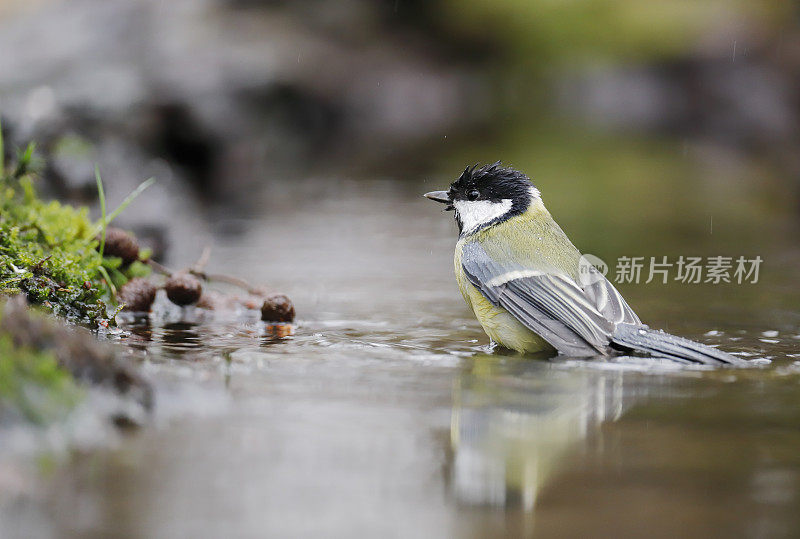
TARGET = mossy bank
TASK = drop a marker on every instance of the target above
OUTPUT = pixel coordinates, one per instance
(51, 257)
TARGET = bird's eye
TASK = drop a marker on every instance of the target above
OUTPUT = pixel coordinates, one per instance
(474, 194)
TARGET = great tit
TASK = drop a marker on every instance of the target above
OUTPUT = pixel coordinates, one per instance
(528, 285)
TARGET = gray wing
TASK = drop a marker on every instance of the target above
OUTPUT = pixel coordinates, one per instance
(573, 320)
(607, 300)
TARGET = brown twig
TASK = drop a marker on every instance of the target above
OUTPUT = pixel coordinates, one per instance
(159, 268)
(228, 279)
(211, 277)
(203, 260)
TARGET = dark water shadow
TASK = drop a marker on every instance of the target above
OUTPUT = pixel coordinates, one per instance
(181, 338)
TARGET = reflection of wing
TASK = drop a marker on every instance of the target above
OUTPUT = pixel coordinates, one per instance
(509, 439)
(550, 303)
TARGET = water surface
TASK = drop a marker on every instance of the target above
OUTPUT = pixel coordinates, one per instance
(384, 415)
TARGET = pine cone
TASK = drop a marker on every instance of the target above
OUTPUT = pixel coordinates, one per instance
(183, 288)
(137, 294)
(277, 308)
(121, 244)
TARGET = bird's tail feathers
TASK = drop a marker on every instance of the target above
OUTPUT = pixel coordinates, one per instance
(640, 338)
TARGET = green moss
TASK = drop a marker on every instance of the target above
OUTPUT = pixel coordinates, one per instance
(48, 250)
(50, 253)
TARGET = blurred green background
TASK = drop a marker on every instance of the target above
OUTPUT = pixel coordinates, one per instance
(665, 127)
(296, 139)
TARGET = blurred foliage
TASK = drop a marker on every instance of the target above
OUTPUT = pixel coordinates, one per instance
(627, 195)
(638, 188)
(48, 250)
(32, 384)
(543, 32)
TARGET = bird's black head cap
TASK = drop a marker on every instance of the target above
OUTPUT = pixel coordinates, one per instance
(487, 195)
(494, 183)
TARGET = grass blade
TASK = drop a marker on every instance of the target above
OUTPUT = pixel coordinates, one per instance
(102, 195)
(106, 219)
(24, 160)
(2, 152)
(109, 283)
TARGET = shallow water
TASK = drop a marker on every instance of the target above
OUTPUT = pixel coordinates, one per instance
(385, 415)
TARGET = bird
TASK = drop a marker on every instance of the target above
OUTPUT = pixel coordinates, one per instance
(531, 289)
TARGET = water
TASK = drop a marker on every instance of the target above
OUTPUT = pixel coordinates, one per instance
(385, 415)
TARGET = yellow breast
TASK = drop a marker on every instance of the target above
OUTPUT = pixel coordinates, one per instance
(499, 324)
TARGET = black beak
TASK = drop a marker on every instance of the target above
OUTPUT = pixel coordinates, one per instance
(438, 196)
(441, 197)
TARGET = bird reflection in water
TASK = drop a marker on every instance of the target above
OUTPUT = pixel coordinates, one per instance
(514, 420)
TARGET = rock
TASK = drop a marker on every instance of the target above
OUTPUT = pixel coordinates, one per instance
(272, 94)
(76, 350)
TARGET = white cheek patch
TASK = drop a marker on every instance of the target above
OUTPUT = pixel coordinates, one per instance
(476, 213)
